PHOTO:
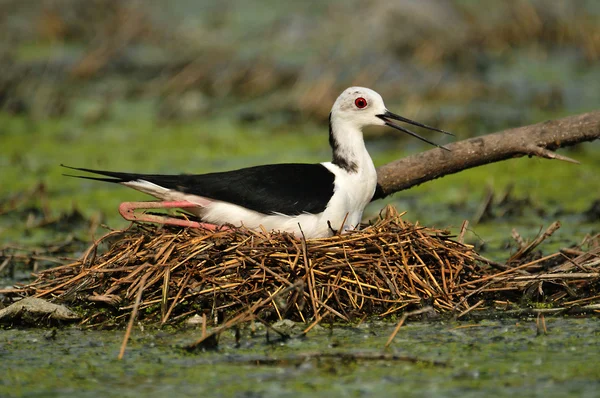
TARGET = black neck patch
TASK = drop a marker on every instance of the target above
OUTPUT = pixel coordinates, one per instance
(338, 159)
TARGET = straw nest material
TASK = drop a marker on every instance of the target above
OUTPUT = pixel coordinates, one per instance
(234, 275)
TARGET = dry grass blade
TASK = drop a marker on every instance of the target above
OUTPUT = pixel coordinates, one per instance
(526, 249)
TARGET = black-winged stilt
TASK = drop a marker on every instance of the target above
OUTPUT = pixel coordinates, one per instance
(313, 199)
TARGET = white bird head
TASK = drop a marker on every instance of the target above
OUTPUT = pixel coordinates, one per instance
(363, 107)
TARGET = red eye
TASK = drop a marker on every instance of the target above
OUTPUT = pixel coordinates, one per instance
(360, 102)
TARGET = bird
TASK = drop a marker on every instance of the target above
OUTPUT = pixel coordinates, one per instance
(309, 200)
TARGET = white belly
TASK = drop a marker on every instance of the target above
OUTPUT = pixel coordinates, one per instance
(352, 193)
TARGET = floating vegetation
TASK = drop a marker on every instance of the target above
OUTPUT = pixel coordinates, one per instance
(167, 275)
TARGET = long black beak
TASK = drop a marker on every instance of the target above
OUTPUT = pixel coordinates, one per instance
(388, 116)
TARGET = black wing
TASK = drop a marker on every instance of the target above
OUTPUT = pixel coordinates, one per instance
(289, 188)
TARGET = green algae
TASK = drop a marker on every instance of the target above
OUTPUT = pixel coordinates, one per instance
(493, 357)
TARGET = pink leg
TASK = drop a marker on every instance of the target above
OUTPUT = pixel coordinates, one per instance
(127, 212)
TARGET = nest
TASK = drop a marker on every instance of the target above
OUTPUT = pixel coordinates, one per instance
(235, 275)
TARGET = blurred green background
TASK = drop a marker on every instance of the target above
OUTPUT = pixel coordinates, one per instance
(207, 85)
(198, 86)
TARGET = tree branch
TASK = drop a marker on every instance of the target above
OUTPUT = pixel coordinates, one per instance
(536, 140)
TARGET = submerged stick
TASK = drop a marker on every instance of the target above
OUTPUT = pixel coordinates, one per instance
(401, 322)
(343, 356)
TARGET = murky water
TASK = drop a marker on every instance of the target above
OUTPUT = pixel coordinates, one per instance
(498, 358)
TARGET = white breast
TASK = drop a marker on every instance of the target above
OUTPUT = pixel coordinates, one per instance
(353, 192)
